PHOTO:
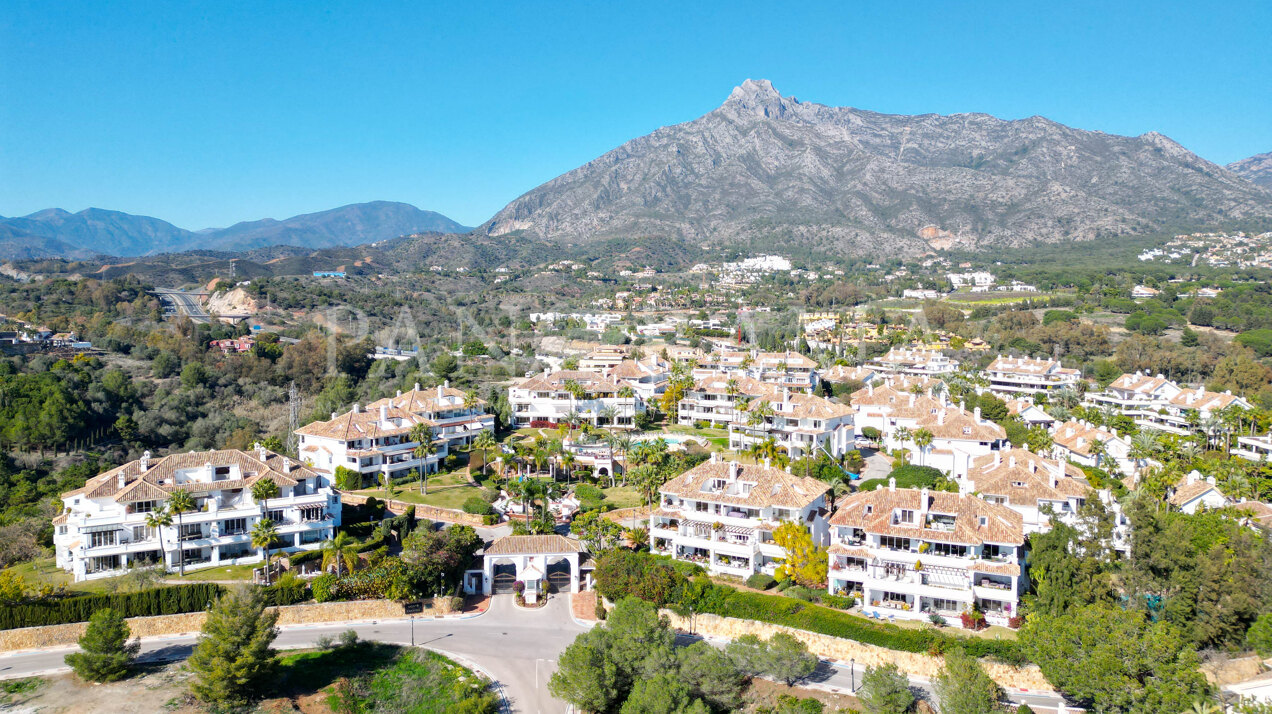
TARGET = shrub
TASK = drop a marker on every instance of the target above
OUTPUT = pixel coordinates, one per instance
(761, 581)
(289, 590)
(588, 492)
(322, 587)
(799, 592)
(477, 505)
(348, 638)
(783, 584)
(839, 602)
(105, 654)
(519, 587)
(166, 600)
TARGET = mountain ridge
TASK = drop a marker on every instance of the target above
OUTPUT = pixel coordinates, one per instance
(55, 232)
(840, 180)
(1257, 169)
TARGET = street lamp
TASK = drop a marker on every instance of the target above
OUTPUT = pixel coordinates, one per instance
(412, 630)
(852, 671)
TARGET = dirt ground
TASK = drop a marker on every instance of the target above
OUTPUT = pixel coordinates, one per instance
(763, 693)
(160, 688)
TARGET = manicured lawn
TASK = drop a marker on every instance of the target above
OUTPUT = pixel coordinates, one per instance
(623, 497)
(44, 571)
(227, 572)
(442, 496)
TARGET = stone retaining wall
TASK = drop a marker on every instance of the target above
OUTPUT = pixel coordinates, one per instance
(432, 513)
(58, 635)
(838, 648)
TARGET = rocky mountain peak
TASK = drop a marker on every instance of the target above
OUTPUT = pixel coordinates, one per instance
(758, 97)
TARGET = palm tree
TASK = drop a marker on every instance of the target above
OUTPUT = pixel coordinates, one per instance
(610, 414)
(180, 502)
(567, 464)
(485, 443)
(626, 392)
(264, 533)
(902, 434)
(1143, 447)
(470, 399)
(759, 414)
(423, 434)
(923, 439)
(1100, 451)
(159, 519)
(342, 552)
(638, 537)
(263, 490)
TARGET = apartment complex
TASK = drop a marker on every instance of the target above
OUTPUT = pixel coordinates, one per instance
(1008, 375)
(801, 424)
(791, 370)
(589, 396)
(1076, 441)
(457, 418)
(1028, 484)
(103, 531)
(912, 553)
(722, 515)
(715, 399)
(377, 443)
(914, 362)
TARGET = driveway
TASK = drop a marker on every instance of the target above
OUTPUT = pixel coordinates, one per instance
(878, 464)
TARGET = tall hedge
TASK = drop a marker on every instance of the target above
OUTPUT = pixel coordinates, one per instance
(166, 600)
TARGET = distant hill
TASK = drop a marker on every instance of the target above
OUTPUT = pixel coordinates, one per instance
(768, 171)
(1257, 168)
(94, 232)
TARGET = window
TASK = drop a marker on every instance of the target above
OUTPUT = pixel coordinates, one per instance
(894, 543)
(61, 530)
(142, 533)
(102, 538)
(275, 516)
(191, 531)
(234, 526)
(144, 506)
(905, 516)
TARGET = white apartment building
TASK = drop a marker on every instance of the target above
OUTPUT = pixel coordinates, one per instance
(1135, 394)
(801, 424)
(1254, 448)
(1030, 413)
(842, 374)
(914, 362)
(1008, 375)
(1189, 411)
(722, 515)
(548, 397)
(782, 369)
(376, 443)
(881, 404)
(911, 553)
(456, 417)
(648, 376)
(1027, 484)
(978, 278)
(102, 529)
(1194, 492)
(715, 399)
(1073, 441)
(958, 436)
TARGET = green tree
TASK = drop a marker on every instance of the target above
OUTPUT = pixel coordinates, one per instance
(923, 439)
(347, 479)
(1259, 636)
(789, 659)
(180, 502)
(340, 551)
(963, 687)
(159, 519)
(712, 676)
(233, 659)
(885, 690)
(424, 450)
(263, 535)
(105, 653)
(586, 676)
(661, 694)
(1115, 660)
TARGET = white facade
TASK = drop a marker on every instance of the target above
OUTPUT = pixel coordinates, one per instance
(908, 554)
(722, 516)
(102, 530)
(377, 443)
(801, 424)
(456, 418)
(914, 362)
(1010, 375)
(547, 397)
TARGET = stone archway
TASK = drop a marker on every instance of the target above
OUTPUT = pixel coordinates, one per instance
(503, 576)
(559, 574)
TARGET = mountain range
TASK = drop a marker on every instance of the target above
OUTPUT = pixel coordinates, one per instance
(1257, 169)
(766, 170)
(94, 231)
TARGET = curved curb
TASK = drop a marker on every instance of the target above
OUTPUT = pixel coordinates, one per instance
(466, 662)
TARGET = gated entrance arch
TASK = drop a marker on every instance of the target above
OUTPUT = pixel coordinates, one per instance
(558, 573)
(504, 577)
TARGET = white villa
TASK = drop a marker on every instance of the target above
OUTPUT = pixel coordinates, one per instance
(911, 553)
(722, 515)
(1254, 448)
(1073, 441)
(376, 443)
(102, 529)
(1009, 375)
(714, 399)
(456, 417)
(599, 399)
(791, 370)
(1194, 492)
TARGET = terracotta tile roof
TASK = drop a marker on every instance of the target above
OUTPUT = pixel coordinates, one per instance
(975, 521)
(746, 386)
(802, 406)
(983, 566)
(534, 545)
(768, 486)
(61, 519)
(957, 424)
(593, 382)
(425, 401)
(1024, 478)
(1257, 510)
(650, 366)
(1026, 366)
(1017, 406)
(844, 373)
(1203, 400)
(1139, 383)
(156, 482)
(1190, 488)
(365, 424)
(841, 549)
(1077, 436)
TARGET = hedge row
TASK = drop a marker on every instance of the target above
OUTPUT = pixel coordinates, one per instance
(166, 600)
(780, 610)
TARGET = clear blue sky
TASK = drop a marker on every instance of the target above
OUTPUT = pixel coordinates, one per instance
(204, 114)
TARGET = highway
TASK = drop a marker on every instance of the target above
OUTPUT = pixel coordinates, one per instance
(185, 303)
(516, 647)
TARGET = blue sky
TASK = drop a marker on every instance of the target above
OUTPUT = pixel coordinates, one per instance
(204, 114)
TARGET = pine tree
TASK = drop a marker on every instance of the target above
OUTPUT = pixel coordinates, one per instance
(105, 653)
(233, 655)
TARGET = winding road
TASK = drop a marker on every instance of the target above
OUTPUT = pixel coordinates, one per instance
(517, 647)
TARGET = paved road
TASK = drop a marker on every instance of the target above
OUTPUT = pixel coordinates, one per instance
(186, 303)
(518, 648)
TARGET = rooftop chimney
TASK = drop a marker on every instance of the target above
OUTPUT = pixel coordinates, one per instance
(333, 416)
(384, 412)
(121, 481)
(439, 391)
(356, 408)
(998, 458)
(399, 392)
(976, 414)
(417, 386)
(892, 483)
(1011, 461)
(734, 467)
(145, 461)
